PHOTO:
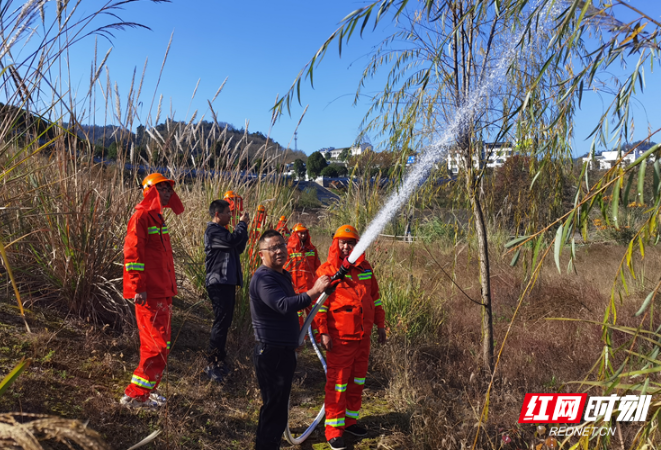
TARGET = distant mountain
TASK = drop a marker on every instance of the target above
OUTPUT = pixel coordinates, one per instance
(185, 138)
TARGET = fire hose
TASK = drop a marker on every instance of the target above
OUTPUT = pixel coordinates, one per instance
(307, 328)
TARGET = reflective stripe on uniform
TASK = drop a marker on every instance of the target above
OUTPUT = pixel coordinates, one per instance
(164, 230)
(359, 380)
(378, 302)
(168, 345)
(153, 230)
(309, 253)
(337, 422)
(135, 266)
(353, 414)
(341, 387)
(323, 309)
(300, 314)
(142, 382)
(367, 275)
(294, 255)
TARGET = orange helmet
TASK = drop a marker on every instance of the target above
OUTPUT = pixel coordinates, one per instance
(283, 218)
(260, 208)
(299, 227)
(153, 179)
(346, 232)
(230, 194)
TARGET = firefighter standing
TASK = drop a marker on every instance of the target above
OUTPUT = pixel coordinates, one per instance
(302, 264)
(345, 324)
(281, 227)
(149, 279)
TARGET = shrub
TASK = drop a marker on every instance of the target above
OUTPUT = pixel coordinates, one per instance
(308, 199)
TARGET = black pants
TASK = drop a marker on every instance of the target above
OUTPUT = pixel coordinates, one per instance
(274, 367)
(222, 299)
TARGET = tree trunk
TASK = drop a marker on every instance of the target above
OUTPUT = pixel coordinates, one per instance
(483, 254)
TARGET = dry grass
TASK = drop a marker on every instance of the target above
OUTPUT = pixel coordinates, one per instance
(424, 390)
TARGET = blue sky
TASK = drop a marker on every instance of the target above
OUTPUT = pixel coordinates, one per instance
(260, 47)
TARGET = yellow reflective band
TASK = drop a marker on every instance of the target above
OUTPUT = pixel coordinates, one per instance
(378, 302)
(337, 422)
(139, 381)
(153, 230)
(359, 380)
(135, 266)
(353, 414)
(340, 387)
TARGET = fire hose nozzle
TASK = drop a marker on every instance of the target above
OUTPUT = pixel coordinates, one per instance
(339, 276)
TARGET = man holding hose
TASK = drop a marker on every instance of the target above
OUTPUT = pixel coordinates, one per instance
(273, 307)
(345, 325)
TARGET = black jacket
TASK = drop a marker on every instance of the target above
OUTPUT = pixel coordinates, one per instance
(223, 248)
(274, 307)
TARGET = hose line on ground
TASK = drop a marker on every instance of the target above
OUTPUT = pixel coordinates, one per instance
(307, 328)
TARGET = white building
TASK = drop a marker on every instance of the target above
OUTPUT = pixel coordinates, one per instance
(606, 160)
(353, 151)
(336, 153)
(492, 156)
(360, 149)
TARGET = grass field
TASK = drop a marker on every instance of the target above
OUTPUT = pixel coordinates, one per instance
(423, 390)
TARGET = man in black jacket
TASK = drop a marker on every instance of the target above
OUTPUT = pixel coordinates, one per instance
(223, 266)
(274, 307)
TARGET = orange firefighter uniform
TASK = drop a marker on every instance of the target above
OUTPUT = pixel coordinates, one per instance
(302, 265)
(236, 208)
(348, 316)
(281, 228)
(149, 267)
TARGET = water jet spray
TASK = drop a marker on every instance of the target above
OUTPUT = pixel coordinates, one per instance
(473, 105)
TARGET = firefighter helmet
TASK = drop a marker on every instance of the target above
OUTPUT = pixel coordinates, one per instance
(153, 179)
(346, 232)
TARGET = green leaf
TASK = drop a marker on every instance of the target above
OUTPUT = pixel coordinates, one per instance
(558, 248)
(657, 177)
(646, 303)
(538, 246)
(624, 283)
(11, 377)
(615, 203)
(625, 198)
(513, 242)
(641, 184)
(516, 258)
